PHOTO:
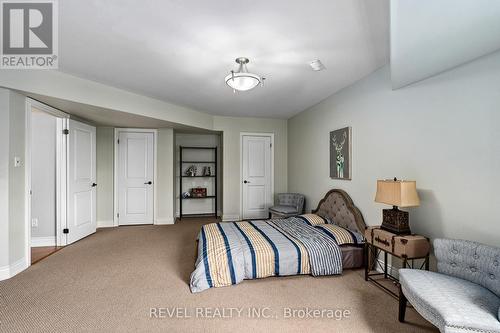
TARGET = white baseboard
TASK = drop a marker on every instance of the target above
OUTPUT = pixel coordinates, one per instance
(6, 272)
(230, 218)
(166, 220)
(43, 241)
(105, 224)
(391, 269)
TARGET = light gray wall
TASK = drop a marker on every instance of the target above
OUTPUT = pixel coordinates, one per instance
(17, 126)
(165, 176)
(43, 174)
(231, 127)
(4, 178)
(104, 172)
(231, 146)
(443, 132)
(12, 188)
(197, 140)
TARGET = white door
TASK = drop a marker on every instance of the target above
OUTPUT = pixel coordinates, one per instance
(135, 178)
(81, 220)
(257, 176)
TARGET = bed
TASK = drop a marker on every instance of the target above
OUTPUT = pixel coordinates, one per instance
(324, 242)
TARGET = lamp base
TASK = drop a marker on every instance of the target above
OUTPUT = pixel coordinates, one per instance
(396, 221)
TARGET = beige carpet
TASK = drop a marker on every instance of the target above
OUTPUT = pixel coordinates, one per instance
(110, 281)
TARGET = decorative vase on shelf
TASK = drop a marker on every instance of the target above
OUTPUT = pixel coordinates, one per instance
(191, 171)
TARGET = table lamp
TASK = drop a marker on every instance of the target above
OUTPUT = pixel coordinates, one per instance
(398, 193)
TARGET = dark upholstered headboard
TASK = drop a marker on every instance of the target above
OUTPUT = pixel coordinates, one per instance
(337, 205)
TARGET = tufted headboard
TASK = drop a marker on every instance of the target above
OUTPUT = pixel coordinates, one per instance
(337, 205)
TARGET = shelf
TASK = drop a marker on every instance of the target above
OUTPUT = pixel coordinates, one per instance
(207, 197)
(197, 176)
(213, 148)
(199, 156)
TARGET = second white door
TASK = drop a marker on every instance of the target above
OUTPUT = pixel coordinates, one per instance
(81, 205)
(257, 176)
(135, 178)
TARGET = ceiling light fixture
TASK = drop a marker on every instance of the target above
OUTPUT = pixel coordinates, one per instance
(317, 65)
(242, 80)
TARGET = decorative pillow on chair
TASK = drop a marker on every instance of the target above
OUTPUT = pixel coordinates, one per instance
(341, 235)
(313, 219)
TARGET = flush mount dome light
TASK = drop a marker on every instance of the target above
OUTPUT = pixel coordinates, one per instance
(242, 80)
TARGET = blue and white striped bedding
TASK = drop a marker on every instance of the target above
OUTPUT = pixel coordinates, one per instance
(230, 252)
(341, 235)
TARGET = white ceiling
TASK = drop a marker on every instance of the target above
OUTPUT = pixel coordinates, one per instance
(180, 51)
(429, 37)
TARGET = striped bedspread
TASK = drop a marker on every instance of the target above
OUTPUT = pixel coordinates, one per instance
(341, 235)
(230, 252)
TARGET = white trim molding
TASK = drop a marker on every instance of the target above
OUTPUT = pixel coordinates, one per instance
(6, 272)
(45, 108)
(166, 220)
(230, 218)
(61, 173)
(105, 224)
(43, 241)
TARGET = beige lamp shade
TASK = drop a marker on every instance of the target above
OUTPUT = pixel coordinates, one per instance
(400, 193)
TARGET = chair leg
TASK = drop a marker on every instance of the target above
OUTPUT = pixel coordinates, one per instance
(402, 305)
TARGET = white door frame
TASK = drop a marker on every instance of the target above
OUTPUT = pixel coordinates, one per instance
(115, 171)
(242, 134)
(61, 173)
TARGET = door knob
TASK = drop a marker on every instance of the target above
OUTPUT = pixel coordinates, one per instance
(246, 182)
(148, 183)
(94, 185)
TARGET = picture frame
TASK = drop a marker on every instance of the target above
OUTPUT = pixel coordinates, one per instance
(341, 153)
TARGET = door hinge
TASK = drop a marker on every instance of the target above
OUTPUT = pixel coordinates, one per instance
(271, 145)
(65, 231)
(118, 215)
(118, 141)
(65, 131)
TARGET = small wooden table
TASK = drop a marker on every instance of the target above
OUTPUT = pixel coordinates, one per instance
(400, 246)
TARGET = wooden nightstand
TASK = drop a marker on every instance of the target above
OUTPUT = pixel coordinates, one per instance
(413, 250)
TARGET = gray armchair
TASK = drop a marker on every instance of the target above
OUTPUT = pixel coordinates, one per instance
(288, 204)
(464, 295)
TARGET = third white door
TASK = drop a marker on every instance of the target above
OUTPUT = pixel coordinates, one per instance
(257, 176)
(135, 178)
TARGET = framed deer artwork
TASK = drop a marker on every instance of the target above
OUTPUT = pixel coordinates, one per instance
(340, 154)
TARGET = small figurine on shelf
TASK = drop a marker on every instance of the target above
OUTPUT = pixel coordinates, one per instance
(191, 171)
(207, 171)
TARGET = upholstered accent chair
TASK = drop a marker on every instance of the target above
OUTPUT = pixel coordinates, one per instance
(463, 295)
(288, 204)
